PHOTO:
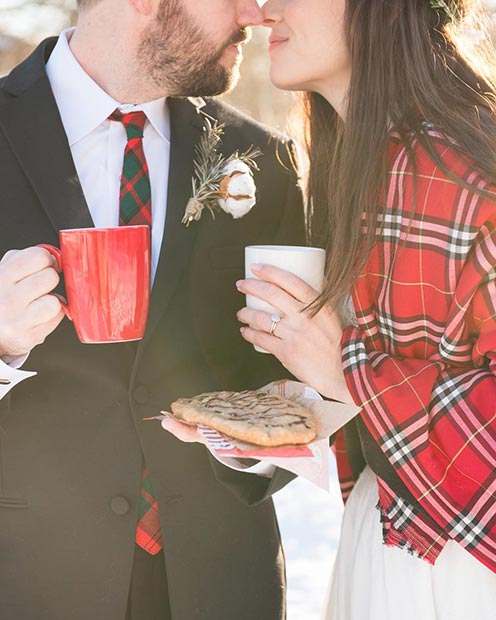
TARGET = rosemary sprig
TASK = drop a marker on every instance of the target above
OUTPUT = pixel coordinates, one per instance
(208, 166)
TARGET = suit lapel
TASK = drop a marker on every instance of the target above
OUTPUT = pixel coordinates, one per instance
(178, 239)
(34, 130)
(32, 125)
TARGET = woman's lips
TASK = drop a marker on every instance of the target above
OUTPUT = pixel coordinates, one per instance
(275, 42)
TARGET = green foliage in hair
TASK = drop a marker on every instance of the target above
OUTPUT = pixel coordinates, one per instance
(448, 7)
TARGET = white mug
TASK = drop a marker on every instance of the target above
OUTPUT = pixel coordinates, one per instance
(305, 262)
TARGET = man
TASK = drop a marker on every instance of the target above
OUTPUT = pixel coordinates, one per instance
(73, 439)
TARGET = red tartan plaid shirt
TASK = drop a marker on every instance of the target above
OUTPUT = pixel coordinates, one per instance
(422, 361)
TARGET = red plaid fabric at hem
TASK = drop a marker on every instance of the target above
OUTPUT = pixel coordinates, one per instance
(403, 525)
(422, 361)
(148, 532)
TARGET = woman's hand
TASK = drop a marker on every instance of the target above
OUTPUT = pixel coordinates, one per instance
(309, 347)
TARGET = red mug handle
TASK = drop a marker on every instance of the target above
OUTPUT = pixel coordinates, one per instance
(57, 254)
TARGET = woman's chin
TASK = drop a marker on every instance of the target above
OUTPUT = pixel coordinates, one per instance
(285, 82)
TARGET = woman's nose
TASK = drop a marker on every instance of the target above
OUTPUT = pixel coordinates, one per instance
(271, 13)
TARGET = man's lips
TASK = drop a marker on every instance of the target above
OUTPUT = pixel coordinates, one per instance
(234, 49)
(240, 38)
(237, 41)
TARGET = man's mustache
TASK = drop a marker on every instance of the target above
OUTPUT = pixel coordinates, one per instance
(241, 36)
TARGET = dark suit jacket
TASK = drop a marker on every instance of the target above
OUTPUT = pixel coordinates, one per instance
(72, 438)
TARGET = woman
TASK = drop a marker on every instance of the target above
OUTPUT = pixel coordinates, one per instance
(402, 185)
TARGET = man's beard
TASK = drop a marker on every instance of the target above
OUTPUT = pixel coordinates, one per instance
(177, 55)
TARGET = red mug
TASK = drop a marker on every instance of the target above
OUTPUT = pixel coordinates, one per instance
(107, 280)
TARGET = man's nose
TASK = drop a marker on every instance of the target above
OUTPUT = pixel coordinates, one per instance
(249, 13)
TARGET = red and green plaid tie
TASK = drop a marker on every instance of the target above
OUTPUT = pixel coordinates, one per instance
(135, 194)
(148, 533)
(135, 208)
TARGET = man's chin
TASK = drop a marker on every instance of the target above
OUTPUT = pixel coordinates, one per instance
(213, 89)
(231, 63)
(230, 78)
(233, 80)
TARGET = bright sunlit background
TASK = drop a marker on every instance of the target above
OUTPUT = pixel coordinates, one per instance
(309, 517)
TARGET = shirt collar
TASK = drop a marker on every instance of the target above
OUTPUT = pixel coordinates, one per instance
(157, 112)
(82, 104)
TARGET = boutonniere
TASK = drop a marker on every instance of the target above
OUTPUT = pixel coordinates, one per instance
(221, 183)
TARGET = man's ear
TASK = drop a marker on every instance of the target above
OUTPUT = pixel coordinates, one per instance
(145, 7)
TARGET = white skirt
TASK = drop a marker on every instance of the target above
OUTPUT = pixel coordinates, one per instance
(374, 582)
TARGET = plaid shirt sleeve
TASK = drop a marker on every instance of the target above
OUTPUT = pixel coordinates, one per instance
(422, 361)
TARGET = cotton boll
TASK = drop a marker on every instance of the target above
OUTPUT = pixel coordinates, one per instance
(237, 189)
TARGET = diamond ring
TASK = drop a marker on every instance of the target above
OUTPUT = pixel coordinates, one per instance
(275, 318)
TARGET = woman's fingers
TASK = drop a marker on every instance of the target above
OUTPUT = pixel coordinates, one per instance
(289, 282)
(270, 293)
(265, 341)
(261, 321)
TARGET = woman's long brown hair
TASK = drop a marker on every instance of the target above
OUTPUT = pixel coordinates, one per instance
(407, 69)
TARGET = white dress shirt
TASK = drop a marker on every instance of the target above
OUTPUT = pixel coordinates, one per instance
(97, 146)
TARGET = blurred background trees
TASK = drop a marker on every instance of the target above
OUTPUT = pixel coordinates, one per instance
(24, 23)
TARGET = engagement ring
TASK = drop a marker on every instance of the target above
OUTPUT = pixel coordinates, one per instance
(275, 318)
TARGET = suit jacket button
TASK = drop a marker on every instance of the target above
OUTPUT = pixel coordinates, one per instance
(141, 394)
(119, 505)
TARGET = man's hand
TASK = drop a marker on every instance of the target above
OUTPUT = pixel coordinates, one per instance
(28, 313)
(185, 432)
